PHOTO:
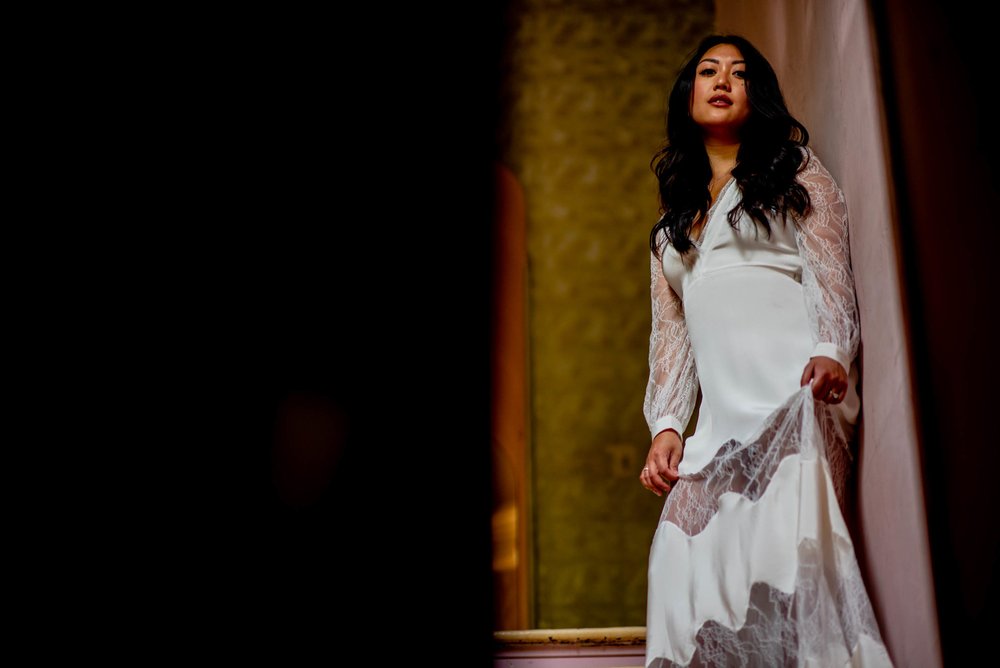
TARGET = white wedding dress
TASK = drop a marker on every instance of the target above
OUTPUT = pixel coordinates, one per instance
(752, 563)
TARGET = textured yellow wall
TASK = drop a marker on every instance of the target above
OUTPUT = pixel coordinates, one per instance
(585, 91)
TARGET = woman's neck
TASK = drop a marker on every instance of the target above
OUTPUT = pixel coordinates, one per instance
(722, 158)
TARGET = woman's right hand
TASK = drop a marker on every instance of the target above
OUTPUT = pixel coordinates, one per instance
(660, 472)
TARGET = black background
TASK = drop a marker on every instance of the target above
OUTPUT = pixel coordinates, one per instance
(338, 253)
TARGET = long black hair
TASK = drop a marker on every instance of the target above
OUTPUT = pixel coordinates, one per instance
(768, 159)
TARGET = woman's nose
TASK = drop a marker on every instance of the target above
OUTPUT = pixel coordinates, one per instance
(721, 82)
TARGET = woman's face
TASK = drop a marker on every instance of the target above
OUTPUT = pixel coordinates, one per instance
(719, 97)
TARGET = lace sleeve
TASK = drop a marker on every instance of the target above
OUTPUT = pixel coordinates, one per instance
(827, 278)
(672, 389)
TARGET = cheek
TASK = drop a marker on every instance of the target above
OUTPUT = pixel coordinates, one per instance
(744, 100)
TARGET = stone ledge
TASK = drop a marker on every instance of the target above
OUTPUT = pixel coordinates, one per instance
(610, 636)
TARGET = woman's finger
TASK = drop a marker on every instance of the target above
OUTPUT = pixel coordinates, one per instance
(646, 479)
(807, 374)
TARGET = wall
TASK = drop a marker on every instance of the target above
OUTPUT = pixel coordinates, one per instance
(825, 57)
(584, 98)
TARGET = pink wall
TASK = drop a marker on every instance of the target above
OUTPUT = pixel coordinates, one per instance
(825, 59)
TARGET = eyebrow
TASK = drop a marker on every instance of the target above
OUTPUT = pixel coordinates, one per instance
(714, 60)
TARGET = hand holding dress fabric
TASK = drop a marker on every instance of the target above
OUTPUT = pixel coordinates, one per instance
(828, 379)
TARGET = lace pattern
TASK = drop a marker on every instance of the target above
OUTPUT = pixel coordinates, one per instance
(828, 288)
(827, 620)
(802, 426)
(672, 388)
(827, 278)
(821, 623)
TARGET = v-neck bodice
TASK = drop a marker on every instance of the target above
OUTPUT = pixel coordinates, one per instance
(720, 246)
(711, 210)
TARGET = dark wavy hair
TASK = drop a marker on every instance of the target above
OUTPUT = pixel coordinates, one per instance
(768, 159)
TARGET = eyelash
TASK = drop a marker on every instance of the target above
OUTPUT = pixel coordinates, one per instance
(709, 71)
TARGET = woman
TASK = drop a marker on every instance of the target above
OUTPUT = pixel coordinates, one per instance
(754, 309)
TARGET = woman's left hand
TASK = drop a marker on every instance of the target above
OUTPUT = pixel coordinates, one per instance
(829, 379)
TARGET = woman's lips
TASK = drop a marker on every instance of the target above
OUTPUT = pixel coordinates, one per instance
(720, 101)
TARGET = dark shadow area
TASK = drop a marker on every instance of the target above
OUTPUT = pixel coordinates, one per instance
(335, 406)
(942, 140)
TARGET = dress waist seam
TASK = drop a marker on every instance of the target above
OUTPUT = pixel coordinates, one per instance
(795, 274)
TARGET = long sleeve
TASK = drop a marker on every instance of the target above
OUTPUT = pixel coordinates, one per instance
(827, 278)
(672, 389)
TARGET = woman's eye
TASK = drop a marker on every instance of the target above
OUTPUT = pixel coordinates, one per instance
(707, 72)
(740, 75)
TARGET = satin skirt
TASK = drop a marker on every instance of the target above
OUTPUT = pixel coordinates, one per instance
(752, 563)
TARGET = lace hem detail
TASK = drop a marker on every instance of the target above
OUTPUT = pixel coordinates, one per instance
(769, 577)
(801, 426)
(824, 622)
